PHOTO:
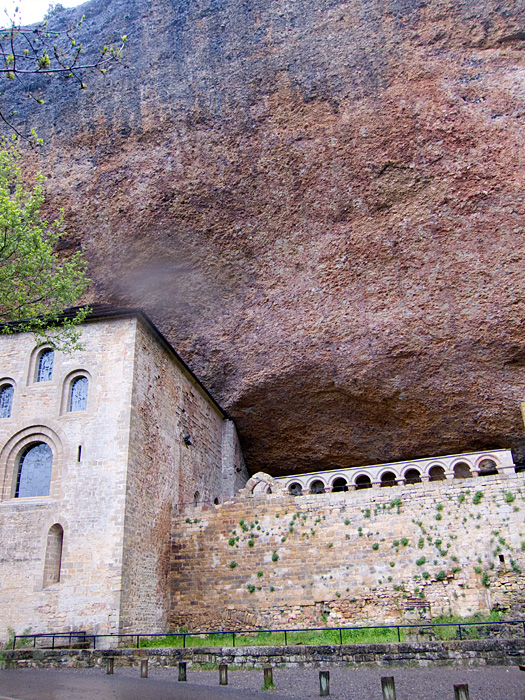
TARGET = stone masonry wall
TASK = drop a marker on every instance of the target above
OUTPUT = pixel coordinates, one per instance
(372, 556)
(87, 490)
(164, 473)
(474, 652)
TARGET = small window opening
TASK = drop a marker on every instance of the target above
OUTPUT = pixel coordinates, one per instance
(488, 467)
(317, 487)
(388, 479)
(363, 482)
(53, 560)
(462, 471)
(196, 498)
(436, 473)
(502, 558)
(79, 454)
(216, 501)
(6, 401)
(412, 476)
(45, 366)
(78, 394)
(340, 485)
(295, 489)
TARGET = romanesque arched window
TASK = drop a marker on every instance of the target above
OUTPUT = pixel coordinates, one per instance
(53, 560)
(78, 394)
(44, 370)
(6, 400)
(34, 471)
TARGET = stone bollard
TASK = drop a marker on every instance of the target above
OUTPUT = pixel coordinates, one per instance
(143, 668)
(324, 683)
(223, 674)
(182, 670)
(268, 678)
(461, 692)
(110, 665)
(388, 687)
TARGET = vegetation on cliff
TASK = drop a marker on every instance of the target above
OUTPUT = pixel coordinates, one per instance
(35, 286)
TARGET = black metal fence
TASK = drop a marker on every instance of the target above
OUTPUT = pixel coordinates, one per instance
(459, 630)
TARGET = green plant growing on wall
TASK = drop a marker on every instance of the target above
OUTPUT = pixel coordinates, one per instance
(395, 543)
(441, 576)
(476, 499)
(275, 556)
(375, 546)
(461, 498)
(347, 521)
(421, 543)
(426, 575)
(485, 579)
(250, 587)
(439, 516)
(421, 561)
(509, 497)
(233, 564)
(231, 541)
(404, 541)
(251, 543)
(260, 574)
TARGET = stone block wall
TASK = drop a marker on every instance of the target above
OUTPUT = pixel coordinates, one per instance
(177, 454)
(384, 555)
(87, 486)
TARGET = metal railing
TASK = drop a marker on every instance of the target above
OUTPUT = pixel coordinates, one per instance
(82, 638)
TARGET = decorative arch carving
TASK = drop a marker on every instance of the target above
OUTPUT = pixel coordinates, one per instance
(260, 484)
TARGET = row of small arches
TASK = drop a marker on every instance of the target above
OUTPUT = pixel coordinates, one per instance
(462, 470)
(77, 398)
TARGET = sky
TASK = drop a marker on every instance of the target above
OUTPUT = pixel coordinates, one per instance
(30, 10)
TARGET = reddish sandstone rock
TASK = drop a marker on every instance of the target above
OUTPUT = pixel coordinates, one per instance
(321, 205)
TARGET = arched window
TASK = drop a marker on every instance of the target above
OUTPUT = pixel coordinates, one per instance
(317, 487)
(340, 484)
(363, 482)
(53, 560)
(488, 467)
(44, 370)
(196, 498)
(295, 489)
(412, 476)
(34, 471)
(388, 479)
(6, 400)
(78, 394)
(462, 471)
(436, 473)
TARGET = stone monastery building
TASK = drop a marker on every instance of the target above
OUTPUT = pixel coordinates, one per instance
(97, 447)
(126, 506)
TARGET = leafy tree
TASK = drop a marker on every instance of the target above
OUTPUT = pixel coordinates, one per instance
(35, 286)
(49, 48)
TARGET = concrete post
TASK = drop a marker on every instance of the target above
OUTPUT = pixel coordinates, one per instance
(182, 670)
(110, 665)
(461, 692)
(388, 687)
(223, 674)
(324, 683)
(143, 668)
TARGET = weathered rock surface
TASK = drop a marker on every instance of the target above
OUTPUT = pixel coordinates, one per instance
(320, 203)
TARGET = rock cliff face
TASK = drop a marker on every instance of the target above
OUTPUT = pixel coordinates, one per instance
(320, 203)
